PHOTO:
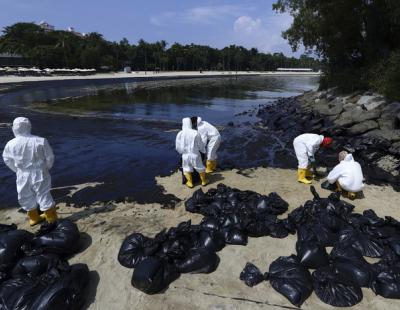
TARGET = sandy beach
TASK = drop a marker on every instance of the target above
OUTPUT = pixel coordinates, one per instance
(149, 75)
(105, 225)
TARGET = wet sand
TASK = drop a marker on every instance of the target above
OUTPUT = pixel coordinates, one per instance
(105, 225)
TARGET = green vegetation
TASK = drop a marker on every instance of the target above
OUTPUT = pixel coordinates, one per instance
(358, 40)
(62, 49)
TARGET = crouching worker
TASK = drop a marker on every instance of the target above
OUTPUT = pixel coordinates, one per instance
(305, 147)
(211, 138)
(189, 144)
(347, 175)
(31, 158)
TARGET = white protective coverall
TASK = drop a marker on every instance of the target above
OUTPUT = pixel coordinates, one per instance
(305, 146)
(189, 144)
(210, 137)
(30, 157)
(349, 175)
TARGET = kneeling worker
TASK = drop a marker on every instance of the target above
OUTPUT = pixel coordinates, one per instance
(347, 175)
(212, 139)
(189, 144)
(305, 147)
(31, 158)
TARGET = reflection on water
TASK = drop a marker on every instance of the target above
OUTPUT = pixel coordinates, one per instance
(121, 145)
(173, 100)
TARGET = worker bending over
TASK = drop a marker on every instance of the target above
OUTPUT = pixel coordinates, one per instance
(31, 158)
(211, 138)
(347, 175)
(305, 147)
(189, 144)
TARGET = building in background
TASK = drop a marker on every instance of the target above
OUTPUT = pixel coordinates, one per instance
(46, 26)
(72, 30)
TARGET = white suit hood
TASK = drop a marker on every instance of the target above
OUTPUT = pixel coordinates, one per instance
(21, 127)
(349, 157)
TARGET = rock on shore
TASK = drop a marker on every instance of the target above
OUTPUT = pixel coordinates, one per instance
(364, 123)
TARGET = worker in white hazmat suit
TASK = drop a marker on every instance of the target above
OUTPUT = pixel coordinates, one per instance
(347, 175)
(189, 144)
(305, 147)
(31, 157)
(211, 138)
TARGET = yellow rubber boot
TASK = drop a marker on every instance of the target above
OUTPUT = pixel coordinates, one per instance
(214, 164)
(34, 217)
(51, 215)
(352, 195)
(209, 166)
(301, 176)
(203, 178)
(189, 180)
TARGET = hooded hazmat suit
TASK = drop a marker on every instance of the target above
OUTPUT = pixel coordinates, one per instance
(305, 146)
(189, 144)
(210, 137)
(30, 157)
(349, 175)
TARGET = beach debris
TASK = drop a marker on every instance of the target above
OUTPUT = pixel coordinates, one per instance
(34, 272)
(232, 215)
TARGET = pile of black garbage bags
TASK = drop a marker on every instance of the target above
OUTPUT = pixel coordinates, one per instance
(337, 277)
(322, 224)
(230, 216)
(34, 271)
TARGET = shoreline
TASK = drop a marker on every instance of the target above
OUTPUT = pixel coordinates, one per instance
(142, 76)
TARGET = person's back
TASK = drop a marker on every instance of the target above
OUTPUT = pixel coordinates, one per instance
(349, 175)
(29, 152)
(206, 130)
(31, 157)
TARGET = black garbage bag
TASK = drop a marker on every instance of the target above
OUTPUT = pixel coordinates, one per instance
(36, 265)
(212, 240)
(251, 275)
(351, 262)
(386, 281)
(6, 227)
(394, 244)
(257, 228)
(365, 244)
(210, 223)
(61, 237)
(56, 289)
(328, 186)
(288, 277)
(11, 243)
(336, 288)
(135, 248)
(311, 254)
(3, 277)
(234, 236)
(276, 205)
(198, 261)
(153, 275)
(276, 227)
(66, 292)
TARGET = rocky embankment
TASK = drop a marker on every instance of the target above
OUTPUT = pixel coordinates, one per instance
(364, 123)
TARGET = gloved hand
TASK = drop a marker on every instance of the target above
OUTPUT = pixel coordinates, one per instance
(311, 159)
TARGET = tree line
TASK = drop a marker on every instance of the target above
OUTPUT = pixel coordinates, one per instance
(358, 40)
(63, 49)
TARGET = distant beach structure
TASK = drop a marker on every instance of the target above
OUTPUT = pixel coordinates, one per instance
(294, 69)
